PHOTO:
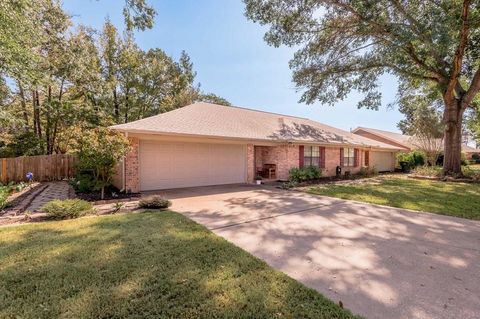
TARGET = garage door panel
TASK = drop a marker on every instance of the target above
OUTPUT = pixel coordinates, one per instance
(173, 165)
(382, 161)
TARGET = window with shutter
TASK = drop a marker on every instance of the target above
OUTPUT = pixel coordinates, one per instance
(312, 156)
(348, 157)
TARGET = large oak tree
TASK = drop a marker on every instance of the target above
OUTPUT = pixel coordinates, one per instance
(348, 45)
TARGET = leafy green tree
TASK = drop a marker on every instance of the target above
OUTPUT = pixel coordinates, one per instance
(424, 123)
(100, 151)
(110, 46)
(64, 79)
(347, 45)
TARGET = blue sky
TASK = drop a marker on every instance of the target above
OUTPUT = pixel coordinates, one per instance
(233, 60)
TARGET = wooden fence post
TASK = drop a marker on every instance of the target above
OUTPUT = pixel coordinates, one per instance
(4, 170)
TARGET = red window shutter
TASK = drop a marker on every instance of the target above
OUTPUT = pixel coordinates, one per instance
(322, 157)
(341, 156)
(301, 156)
(367, 158)
(355, 157)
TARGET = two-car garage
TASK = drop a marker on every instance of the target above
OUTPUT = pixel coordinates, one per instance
(164, 165)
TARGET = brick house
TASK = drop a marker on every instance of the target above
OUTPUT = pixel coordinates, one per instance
(208, 144)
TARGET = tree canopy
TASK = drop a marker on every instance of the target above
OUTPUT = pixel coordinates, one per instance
(58, 79)
(348, 45)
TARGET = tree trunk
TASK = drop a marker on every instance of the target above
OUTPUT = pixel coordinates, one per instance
(23, 102)
(127, 92)
(34, 105)
(37, 114)
(116, 107)
(48, 121)
(453, 117)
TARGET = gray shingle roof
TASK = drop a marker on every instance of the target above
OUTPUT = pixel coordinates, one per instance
(406, 140)
(212, 120)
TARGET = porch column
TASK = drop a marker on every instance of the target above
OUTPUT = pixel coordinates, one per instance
(250, 163)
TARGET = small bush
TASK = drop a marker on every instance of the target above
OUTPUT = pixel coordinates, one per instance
(304, 174)
(83, 183)
(368, 171)
(66, 209)
(154, 202)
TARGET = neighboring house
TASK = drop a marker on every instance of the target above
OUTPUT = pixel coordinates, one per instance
(470, 151)
(209, 144)
(400, 140)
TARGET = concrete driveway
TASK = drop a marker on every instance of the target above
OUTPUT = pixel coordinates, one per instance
(380, 262)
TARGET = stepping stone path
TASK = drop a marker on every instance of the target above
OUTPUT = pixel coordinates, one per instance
(54, 190)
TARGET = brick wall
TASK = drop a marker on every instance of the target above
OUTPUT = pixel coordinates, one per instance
(132, 173)
(284, 156)
(332, 160)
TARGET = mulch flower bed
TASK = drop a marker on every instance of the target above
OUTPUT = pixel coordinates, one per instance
(111, 195)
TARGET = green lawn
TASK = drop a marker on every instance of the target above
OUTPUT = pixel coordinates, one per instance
(146, 265)
(453, 199)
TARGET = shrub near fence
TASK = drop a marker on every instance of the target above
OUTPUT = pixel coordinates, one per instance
(44, 167)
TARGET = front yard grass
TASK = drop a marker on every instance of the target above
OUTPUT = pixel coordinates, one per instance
(446, 198)
(145, 265)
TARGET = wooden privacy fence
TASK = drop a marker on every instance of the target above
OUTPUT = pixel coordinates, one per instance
(43, 167)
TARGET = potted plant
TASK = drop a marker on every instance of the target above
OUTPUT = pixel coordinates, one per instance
(258, 179)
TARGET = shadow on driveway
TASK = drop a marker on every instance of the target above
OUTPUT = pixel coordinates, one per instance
(381, 262)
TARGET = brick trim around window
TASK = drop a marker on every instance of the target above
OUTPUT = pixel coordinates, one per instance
(341, 156)
(322, 157)
(301, 159)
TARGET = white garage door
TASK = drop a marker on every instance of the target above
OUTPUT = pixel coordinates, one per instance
(382, 161)
(166, 165)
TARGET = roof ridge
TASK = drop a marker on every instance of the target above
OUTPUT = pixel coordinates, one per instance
(379, 130)
(254, 110)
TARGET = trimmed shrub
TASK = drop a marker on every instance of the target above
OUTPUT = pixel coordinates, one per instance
(66, 209)
(303, 174)
(154, 202)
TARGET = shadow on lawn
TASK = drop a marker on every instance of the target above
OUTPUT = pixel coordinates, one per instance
(379, 261)
(142, 266)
